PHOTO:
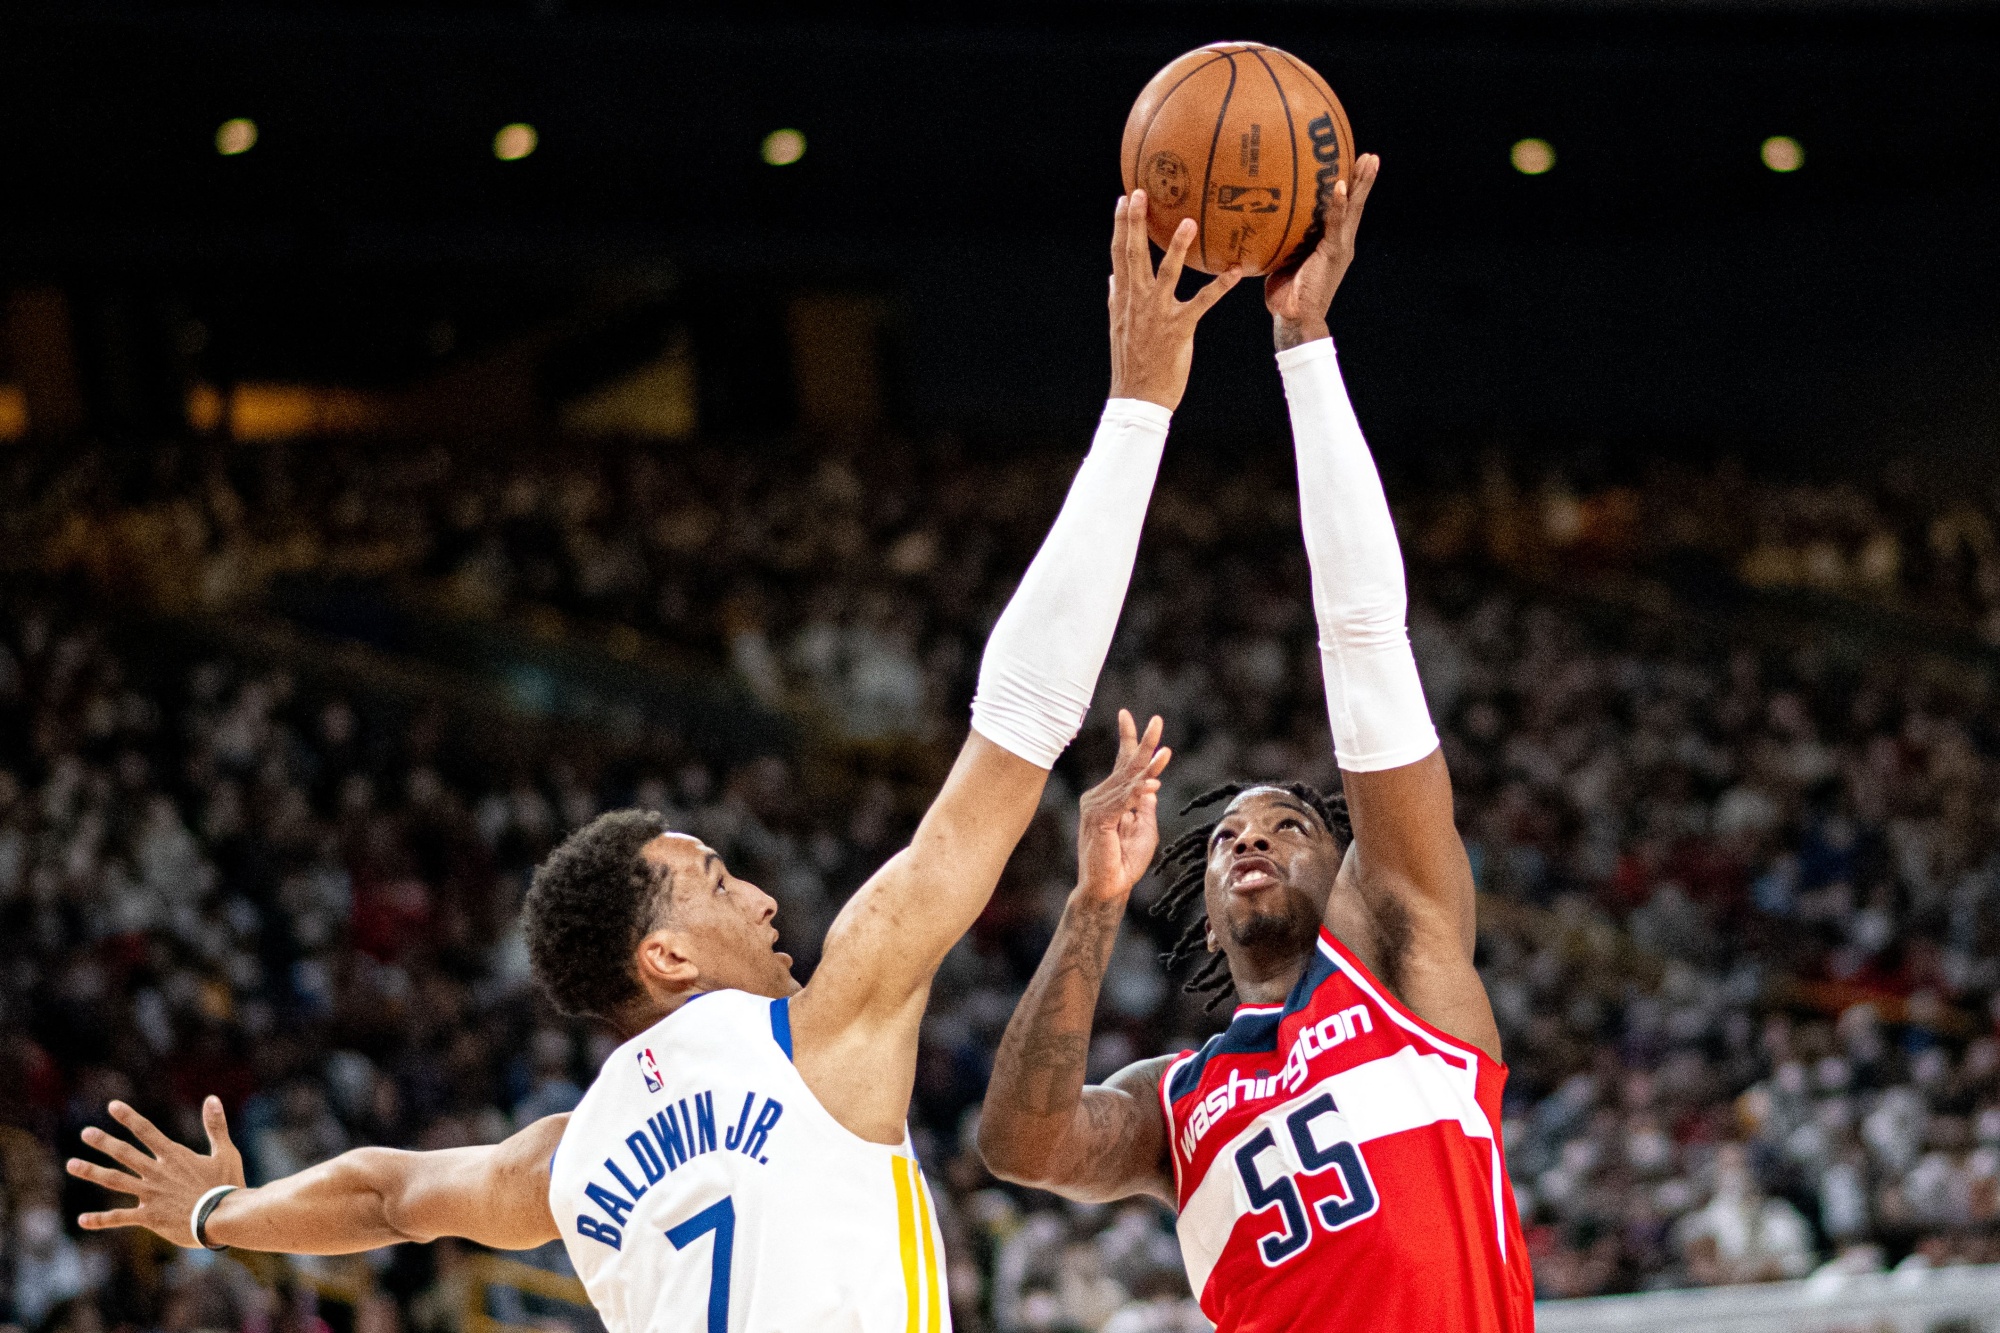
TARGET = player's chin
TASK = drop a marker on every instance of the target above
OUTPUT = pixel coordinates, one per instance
(1257, 924)
(787, 984)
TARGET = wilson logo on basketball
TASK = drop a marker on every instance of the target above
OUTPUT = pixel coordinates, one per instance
(1326, 152)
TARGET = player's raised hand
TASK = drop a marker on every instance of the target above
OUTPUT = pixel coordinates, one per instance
(1152, 330)
(1298, 297)
(1119, 827)
(166, 1178)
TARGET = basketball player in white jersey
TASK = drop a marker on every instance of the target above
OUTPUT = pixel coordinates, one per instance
(742, 1164)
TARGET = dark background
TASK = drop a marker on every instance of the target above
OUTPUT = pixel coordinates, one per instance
(1659, 290)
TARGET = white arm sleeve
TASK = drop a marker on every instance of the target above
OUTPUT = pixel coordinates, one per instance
(1044, 654)
(1373, 697)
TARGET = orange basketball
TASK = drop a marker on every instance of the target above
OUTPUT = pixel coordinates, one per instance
(1246, 140)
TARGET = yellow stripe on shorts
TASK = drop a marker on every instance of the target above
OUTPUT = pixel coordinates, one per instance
(906, 1227)
(933, 1312)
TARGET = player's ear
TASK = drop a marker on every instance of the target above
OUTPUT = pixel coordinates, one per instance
(1208, 936)
(664, 963)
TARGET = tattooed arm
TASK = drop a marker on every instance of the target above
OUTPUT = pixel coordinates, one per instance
(1041, 1126)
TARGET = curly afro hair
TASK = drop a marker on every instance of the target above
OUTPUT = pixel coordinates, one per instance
(590, 904)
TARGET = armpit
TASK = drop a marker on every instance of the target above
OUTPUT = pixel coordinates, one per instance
(1394, 933)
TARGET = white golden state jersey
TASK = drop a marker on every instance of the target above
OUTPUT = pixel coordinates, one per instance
(701, 1188)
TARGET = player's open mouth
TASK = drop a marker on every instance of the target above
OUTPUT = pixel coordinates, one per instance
(1251, 874)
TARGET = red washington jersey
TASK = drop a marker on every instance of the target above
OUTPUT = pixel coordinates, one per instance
(1337, 1167)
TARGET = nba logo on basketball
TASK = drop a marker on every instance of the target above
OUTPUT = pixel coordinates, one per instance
(651, 1070)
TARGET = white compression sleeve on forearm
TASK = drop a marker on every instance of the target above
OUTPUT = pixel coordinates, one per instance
(1044, 654)
(1373, 697)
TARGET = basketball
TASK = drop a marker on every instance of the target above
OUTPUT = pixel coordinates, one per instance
(1246, 140)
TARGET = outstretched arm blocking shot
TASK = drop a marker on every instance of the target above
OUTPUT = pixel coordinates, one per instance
(1040, 669)
(629, 920)
(497, 1195)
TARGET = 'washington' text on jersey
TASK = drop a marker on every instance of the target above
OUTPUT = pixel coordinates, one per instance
(1312, 1038)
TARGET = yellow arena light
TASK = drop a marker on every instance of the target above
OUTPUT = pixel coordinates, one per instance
(784, 147)
(515, 141)
(13, 412)
(1532, 157)
(1782, 153)
(235, 137)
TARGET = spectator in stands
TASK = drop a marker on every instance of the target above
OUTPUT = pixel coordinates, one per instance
(1741, 920)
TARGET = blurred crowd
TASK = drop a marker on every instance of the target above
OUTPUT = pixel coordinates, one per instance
(1740, 893)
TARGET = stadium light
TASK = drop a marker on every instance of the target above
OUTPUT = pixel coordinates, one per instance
(784, 147)
(13, 412)
(515, 141)
(1782, 153)
(1532, 157)
(236, 137)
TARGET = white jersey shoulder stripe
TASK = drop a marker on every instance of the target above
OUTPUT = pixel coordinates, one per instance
(1167, 1112)
(1394, 1008)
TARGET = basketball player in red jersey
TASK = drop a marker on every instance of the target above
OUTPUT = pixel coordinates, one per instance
(1334, 1154)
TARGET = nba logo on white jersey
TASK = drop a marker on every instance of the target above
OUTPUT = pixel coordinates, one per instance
(718, 1196)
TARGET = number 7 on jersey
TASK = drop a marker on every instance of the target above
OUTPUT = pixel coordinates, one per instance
(719, 1217)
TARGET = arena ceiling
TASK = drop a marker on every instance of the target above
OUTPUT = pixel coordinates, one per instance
(960, 160)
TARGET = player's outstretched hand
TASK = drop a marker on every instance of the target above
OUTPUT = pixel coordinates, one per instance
(1299, 297)
(166, 1179)
(1152, 330)
(1119, 827)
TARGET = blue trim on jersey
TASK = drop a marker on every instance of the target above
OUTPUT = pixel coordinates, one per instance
(1249, 1033)
(1322, 966)
(781, 1026)
(1188, 1075)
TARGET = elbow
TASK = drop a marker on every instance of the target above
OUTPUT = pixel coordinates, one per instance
(379, 1179)
(991, 1140)
(1011, 1154)
(1017, 1170)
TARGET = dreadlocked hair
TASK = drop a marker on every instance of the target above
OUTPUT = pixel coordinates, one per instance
(1183, 864)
